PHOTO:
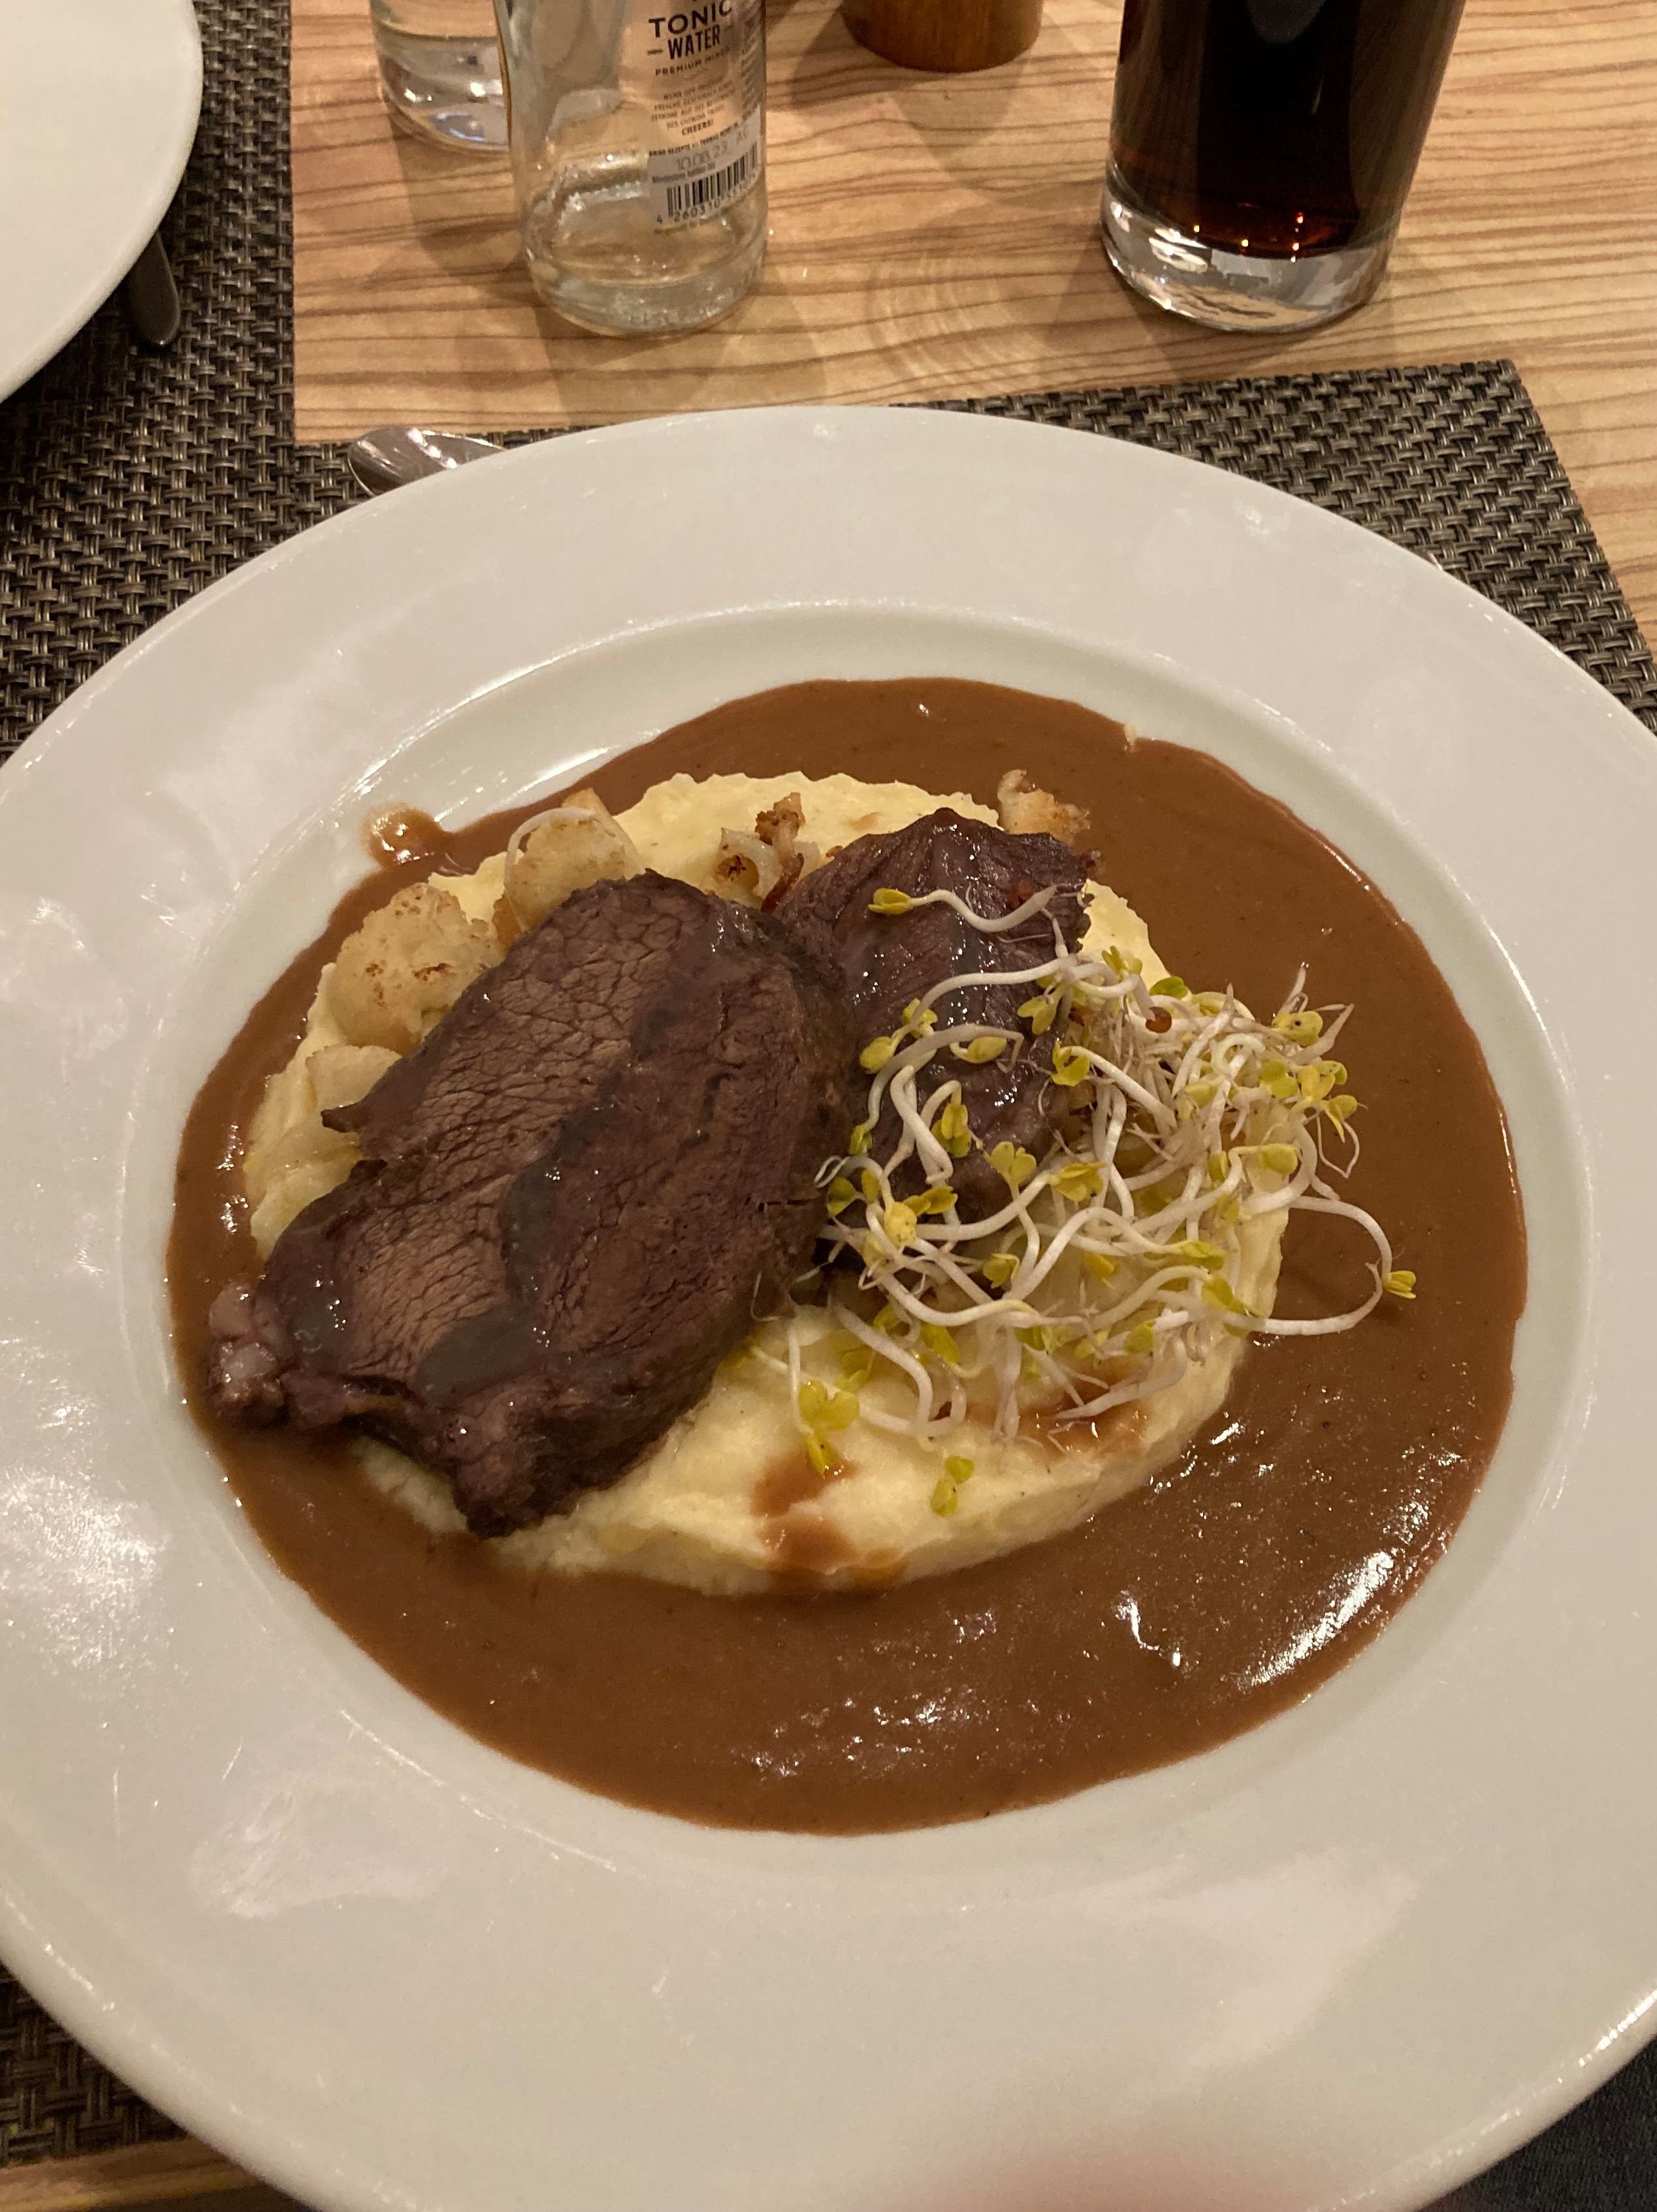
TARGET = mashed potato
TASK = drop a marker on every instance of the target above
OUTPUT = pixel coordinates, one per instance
(726, 1501)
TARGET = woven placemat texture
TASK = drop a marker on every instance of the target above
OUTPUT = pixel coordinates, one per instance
(130, 479)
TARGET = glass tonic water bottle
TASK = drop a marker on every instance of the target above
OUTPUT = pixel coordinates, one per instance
(637, 130)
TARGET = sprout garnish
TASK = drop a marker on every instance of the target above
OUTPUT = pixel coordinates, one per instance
(1113, 1266)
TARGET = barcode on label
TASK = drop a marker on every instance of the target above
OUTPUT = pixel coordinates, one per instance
(696, 195)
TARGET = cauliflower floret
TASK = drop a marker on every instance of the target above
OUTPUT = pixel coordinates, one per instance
(396, 976)
(1027, 811)
(555, 854)
(761, 869)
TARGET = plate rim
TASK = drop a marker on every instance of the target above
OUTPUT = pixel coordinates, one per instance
(104, 271)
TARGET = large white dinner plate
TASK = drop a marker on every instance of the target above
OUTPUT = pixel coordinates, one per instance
(1339, 1961)
(99, 102)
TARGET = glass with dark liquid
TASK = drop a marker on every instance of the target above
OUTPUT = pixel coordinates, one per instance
(1261, 150)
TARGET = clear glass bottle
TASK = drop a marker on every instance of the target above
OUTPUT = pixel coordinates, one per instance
(637, 130)
(440, 70)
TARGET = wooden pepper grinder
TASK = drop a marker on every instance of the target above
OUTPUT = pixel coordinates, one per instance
(944, 34)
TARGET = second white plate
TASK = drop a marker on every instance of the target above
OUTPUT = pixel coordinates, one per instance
(99, 102)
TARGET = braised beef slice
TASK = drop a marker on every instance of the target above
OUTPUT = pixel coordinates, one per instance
(887, 960)
(582, 1190)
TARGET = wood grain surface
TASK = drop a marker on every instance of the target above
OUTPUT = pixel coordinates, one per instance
(937, 235)
(160, 2176)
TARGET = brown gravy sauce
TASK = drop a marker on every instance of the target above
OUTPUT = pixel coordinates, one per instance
(1223, 1590)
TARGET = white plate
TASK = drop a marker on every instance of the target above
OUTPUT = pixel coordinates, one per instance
(99, 101)
(1341, 1960)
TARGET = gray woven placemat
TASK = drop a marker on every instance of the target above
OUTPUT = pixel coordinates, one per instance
(129, 480)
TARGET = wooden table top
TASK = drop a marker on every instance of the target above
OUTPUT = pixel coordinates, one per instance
(938, 236)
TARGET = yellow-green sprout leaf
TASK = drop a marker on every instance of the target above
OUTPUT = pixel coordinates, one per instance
(939, 1342)
(1141, 1339)
(1279, 1159)
(890, 901)
(1400, 1284)
(1202, 1093)
(953, 1130)
(945, 1498)
(869, 1183)
(1278, 1081)
(1219, 1166)
(1079, 1179)
(1030, 1368)
(823, 1457)
(1040, 1010)
(840, 1194)
(1100, 1266)
(1228, 1210)
(821, 1407)
(1125, 963)
(958, 1470)
(1069, 1066)
(1012, 1163)
(1318, 1080)
(840, 1411)
(857, 1365)
(979, 1050)
(1217, 1291)
(1209, 1002)
(1171, 987)
(859, 1140)
(918, 1019)
(876, 1054)
(1156, 1197)
(1038, 1340)
(899, 1222)
(1200, 1253)
(1304, 1028)
(998, 1269)
(1341, 1107)
(889, 1321)
(938, 1199)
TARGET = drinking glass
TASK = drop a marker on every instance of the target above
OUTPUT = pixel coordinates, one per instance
(1261, 150)
(440, 68)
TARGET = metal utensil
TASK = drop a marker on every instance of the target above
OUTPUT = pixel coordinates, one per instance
(151, 297)
(396, 454)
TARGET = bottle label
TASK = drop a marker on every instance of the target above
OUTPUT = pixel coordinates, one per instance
(690, 182)
(706, 68)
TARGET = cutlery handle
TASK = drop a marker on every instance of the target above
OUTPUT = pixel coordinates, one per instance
(151, 297)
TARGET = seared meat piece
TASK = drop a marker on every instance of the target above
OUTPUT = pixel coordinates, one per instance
(889, 959)
(581, 1191)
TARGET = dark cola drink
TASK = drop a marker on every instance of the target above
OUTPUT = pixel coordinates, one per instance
(1261, 150)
